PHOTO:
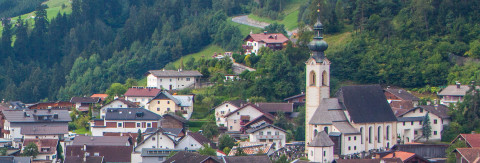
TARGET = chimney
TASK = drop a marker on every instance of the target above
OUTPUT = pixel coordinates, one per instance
(24, 113)
(458, 84)
(275, 37)
(265, 32)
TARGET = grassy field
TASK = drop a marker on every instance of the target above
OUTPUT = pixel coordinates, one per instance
(291, 15)
(54, 7)
(206, 52)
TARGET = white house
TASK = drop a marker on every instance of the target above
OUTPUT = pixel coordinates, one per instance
(192, 141)
(268, 133)
(125, 120)
(47, 149)
(141, 95)
(224, 109)
(274, 41)
(453, 93)
(409, 126)
(156, 145)
(172, 79)
(236, 120)
(320, 149)
(117, 103)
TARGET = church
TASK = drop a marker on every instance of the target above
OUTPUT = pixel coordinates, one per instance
(358, 119)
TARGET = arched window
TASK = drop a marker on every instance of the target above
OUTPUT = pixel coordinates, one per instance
(313, 78)
(370, 134)
(379, 134)
(361, 134)
(325, 129)
(324, 78)
(315, 133)
(388, 132)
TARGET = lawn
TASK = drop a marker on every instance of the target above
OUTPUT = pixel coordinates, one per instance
(205, 52)
(54, 7)
(83, 131)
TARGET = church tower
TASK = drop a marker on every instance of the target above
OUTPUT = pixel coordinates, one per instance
(317, 76)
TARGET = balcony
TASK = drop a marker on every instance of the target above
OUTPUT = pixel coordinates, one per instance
(275, 137)
(248, 47)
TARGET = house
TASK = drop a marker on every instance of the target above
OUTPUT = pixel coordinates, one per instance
(300, 98)
(268, 133)
(47, 148)
(165, 103)
(467, 155)
(453, 93)
(400, 99)
(44, 132)
(409, 125)
(472, 140)
(192, 157)
(101, 96)
(251, 148)
(16, 120)
(52, 105)
(84, 103)
(117, 103)
(274, 108)
(406, 157)
(231, 77)
(193, 141)
(155, 146)
(172, 79)
(274, 41)
(358, 120)
(427, 151)
(224, 109)
(237, 119)
(141, 95)
(320, 148)
(110, 153)
(125, 120)
(15, 159)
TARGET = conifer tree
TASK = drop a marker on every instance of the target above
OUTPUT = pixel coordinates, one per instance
(426, 127)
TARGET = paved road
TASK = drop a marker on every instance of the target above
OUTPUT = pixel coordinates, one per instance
(250, 22)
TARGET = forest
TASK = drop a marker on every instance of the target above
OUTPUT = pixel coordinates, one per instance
(402, 43)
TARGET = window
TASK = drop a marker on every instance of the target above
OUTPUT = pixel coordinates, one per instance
(238, 113)
(379, 134)
(47, 158)
(324, 153)
(158, 109)
(324, 78)
(349, 138)
(269, 133)
(261, 132)
(420, 122)
(170, 80)
(370, 132)
(231, 127)
(153, 138)
(234, 121)
(138, 124)
(388, 133)
(421, 110)
(158, 102)
(168, 102)
(218, 119)
(415, 132)
(313, 78)
(149, 124)
(354, 147)
(96, 154)
(315, 132)
(435, 121)
(168, 109)
(403, 123)
(277, 133)
(361, 134)
(434, 132)
(325, 129)
(188, 79)
(349, 148)
(119, 124)
(355, 138)
(223, 112)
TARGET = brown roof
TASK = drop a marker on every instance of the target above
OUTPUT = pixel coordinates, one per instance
(295, 96)
(102, 140)
(401, 104)
(44, 130)
(50, 144)
(191, 157)
(453, 90)
(89, 100)
(438, 110)
(110, 153)
(472, 140)
(250, 159)
(400, 154)
(142, 92)
(79, 159)
(402, 94)
(175, 73)
(470, 154)
(275, 107)
(131, 135)
(268, 38)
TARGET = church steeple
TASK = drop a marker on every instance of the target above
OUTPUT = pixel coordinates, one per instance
(318, 45)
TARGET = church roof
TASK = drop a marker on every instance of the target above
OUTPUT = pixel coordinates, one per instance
(345, 128)
(329, 111)
(366, 104)
(321, 140)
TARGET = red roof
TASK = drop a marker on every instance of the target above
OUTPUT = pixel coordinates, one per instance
(400, 154)
(268, 38)
(472, 140)
(102, 96)
(142, 92)
(470, 154)
(45, 146)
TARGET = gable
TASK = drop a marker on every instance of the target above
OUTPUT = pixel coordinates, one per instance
(248, 110)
